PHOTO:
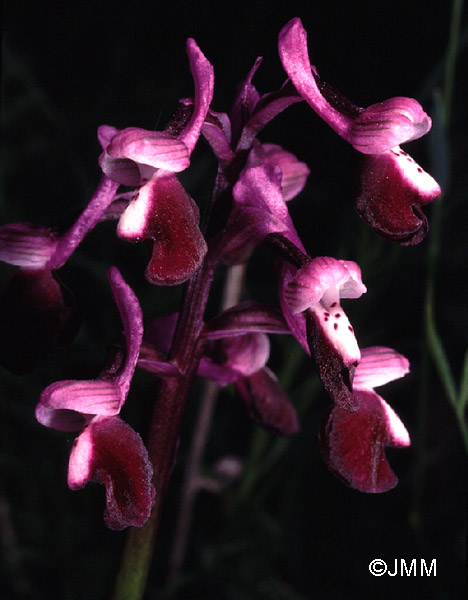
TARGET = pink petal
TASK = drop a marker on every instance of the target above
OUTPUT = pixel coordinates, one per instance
(26, 245)
(294, 55)
(89, 218)
(217, 131)
(132, 319)
(105, 133)
(267, 404)
(393, 187)
(387, 124)
(243, 318)
(378, 366)
(153, 148)
(110, 452)
(353, 443)
(61, 399)
(203, 76)
(326, 280)
(294, 172)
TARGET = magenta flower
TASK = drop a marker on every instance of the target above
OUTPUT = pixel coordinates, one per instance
(316, 289)
(107, 450)
(393, 187)
(353, 443)
(37, 312)
(161, 210)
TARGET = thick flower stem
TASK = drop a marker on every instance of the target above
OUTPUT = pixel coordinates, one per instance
(164, 433)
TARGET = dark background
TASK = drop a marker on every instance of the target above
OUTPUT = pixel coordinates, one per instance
(298, 533)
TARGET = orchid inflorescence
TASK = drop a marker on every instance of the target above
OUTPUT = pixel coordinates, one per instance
(254, 182)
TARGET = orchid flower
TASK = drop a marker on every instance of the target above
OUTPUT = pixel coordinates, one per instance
(353, 443)
(393, 186)
(161, 209)
(317, 288)
(37, 312)
(107, 450)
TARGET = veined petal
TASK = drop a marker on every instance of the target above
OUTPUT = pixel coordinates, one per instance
(110, 452)
(292, 46)
(393, 187)
(353, 443)
(373, 130)
(132, 319)
(203, 77)
(387, 124)
(378, 366)
(323, 280)
(89, 218)
(62, 398)
(266, 109)
(154, 148)
(26, 245)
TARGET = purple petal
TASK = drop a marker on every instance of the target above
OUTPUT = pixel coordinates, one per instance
(243, 318)
(387, 124)
(259, 188)
(393, 187)
(294, 55)
(294, 172)
(156, 149)
(132, 319)
(267, 404)
(378, 366)
(217, 131)
(267, 108)
(373, 130)
(89, 218)
(26, 245)
(160, 331)
(325, 280)
(353, 443)
(105, 133)
(245, 101)
(110, 452)
(64, 405)
(153, 361)
(203, 76)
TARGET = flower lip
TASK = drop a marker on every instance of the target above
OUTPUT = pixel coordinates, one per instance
(393, 187)
(352, 444)
(110, 452)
